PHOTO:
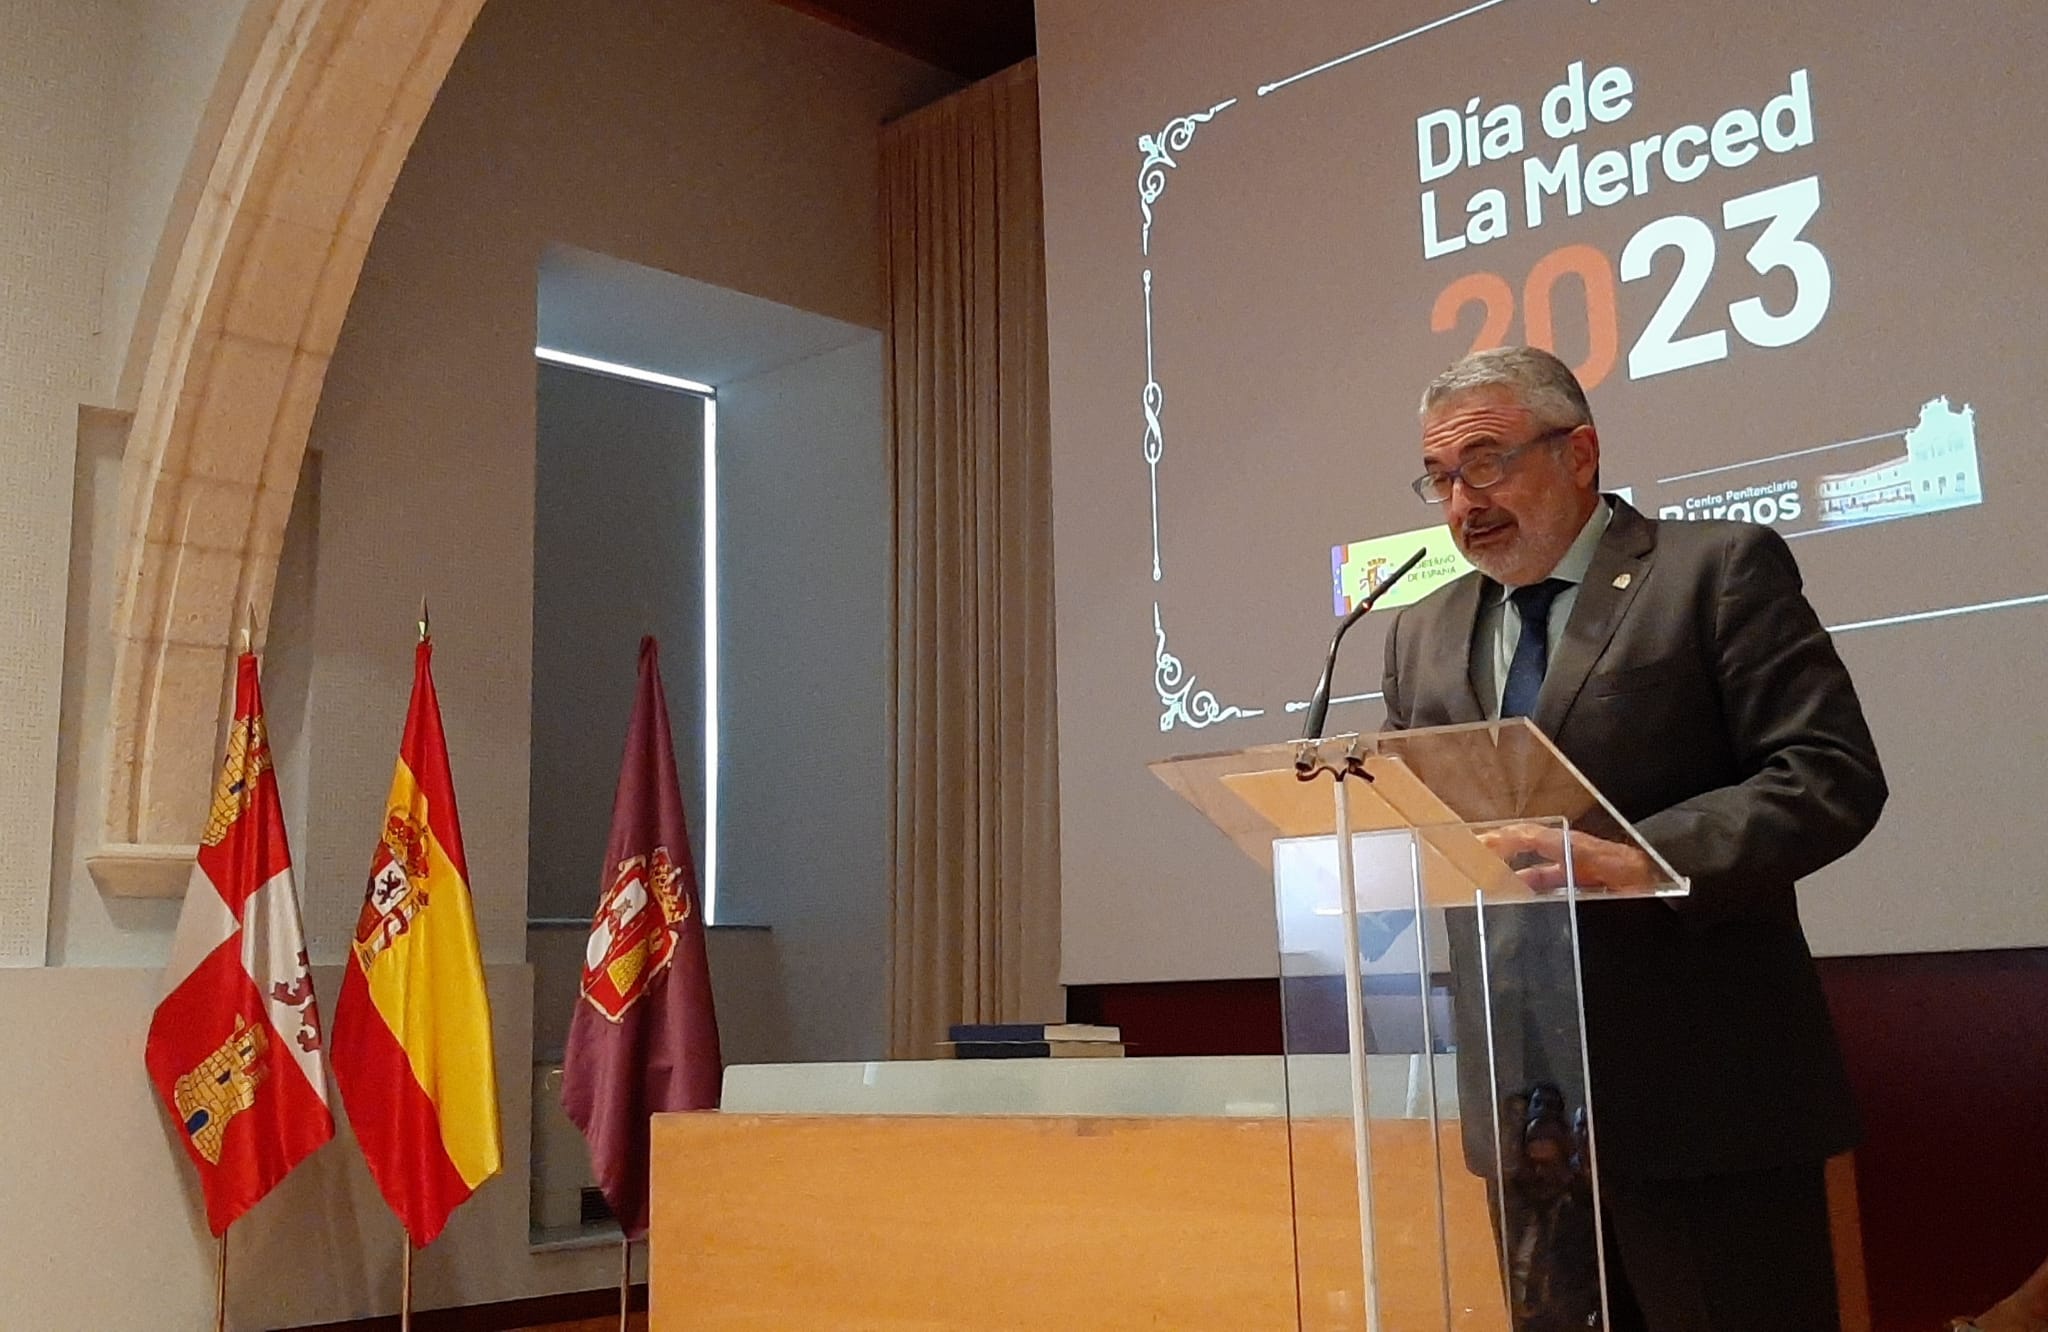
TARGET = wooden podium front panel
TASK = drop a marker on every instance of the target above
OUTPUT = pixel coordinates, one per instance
(930, 1222)
(1410, 1231)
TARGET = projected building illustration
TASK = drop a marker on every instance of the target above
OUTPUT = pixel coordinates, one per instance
(1938, 471)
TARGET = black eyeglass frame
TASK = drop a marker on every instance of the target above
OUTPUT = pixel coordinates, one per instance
(1429, 484)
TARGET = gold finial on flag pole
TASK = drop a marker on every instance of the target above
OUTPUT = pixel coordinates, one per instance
(424, 632)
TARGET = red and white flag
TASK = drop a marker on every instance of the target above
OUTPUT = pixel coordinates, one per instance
(234, 1048)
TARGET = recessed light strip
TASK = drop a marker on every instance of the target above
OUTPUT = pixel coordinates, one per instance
(618, 371)
(710, 885)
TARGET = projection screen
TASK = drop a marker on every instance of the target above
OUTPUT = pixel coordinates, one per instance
(1794, 252)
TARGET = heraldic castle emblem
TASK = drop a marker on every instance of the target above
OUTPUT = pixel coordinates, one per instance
(633, 938)
(249, 758)
(223, 1086)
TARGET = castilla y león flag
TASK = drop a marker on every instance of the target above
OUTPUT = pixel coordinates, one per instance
(644, 1038)
(234, 1048)
(412, 1031)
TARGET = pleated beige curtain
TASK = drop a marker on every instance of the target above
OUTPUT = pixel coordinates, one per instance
(974, 832)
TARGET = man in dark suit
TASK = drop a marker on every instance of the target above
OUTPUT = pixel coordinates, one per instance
(1679, 666)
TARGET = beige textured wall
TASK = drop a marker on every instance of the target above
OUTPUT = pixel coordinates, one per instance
(728, 139)
(59, 64)
(89, 1156)
(171, 52)
(100, 104)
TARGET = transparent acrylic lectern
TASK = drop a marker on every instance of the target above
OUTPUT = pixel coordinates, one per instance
(1441, 1127)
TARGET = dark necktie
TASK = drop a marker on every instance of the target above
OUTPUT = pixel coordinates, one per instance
(1532, 650)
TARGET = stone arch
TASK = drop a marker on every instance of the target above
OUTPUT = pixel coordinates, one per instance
(315, 110)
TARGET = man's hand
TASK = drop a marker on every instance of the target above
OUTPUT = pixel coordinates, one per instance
(2009, 1316)
(2025, 1310)
(1536, 851)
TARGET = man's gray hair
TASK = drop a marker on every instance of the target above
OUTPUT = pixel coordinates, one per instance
(1541, 382)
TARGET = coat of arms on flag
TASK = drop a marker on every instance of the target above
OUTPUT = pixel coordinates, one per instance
(633, 937)
(234, 1048)
(397, 892)
(223, 1086)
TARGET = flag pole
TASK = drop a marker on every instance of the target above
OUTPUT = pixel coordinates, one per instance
(220, 1283)
(625, 1279)
(423, 618)
(405, 1289)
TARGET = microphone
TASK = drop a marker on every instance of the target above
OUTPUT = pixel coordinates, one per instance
(1319, 702)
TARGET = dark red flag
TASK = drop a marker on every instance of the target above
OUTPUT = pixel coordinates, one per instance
(644, 1038)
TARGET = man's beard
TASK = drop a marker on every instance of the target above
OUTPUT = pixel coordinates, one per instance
(1516, 562)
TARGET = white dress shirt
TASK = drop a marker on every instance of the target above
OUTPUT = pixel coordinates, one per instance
(1501, 624)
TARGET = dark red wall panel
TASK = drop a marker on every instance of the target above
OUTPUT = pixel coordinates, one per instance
(1949, 1056)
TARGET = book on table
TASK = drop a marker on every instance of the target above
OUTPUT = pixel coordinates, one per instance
(1038, 1049)
(1010, 1032)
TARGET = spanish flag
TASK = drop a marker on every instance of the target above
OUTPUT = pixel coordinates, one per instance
(412, 1032)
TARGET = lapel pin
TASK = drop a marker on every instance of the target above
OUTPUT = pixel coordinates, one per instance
(1621, 580)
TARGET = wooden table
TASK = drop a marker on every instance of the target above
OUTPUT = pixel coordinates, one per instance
(926, 1222)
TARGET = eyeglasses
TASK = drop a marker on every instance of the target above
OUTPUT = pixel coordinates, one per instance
(1480, 471)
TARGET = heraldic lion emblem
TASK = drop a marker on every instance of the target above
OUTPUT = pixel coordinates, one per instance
(398, 891)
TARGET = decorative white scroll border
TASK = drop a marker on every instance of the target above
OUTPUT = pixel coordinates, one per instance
(1267, 89)
(1155, 436)
(1158, 150)
(1180, 702)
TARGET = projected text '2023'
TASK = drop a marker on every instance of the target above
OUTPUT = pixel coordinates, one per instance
(1663, 344)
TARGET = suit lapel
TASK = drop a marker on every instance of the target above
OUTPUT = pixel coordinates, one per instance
(1620, 562)
(1459, 656)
